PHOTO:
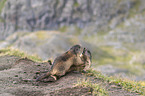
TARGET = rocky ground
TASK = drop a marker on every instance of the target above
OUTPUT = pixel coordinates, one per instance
(112, 30)
(17, 78)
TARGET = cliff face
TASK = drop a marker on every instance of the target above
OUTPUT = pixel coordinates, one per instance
(31, 15)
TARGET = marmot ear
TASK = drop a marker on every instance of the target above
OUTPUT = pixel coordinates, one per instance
(84, 50)
(90, 55)
(76, 50)
(49, 61)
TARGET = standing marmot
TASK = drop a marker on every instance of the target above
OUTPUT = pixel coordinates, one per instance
(83, 63)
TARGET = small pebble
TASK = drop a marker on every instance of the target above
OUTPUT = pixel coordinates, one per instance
(16, 75)
(14, 82)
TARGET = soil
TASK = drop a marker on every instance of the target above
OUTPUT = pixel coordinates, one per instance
(17, 78)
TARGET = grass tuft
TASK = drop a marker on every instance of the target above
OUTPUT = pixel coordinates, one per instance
(97, 90)
(18, 53)
(42, 35)
(2, 4)
(132, 86)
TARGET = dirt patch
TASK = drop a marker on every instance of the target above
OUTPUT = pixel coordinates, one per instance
(18, 79)
(21, 76)
(21, 92)
(6, 62)
(75, 91)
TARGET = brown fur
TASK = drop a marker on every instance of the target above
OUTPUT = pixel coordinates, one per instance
(62, 64)
(87, 58)
(83, 63)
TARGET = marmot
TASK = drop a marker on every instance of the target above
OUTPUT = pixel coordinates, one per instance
(81, 63)
(62, 63)
(87, 58)
(84, 63)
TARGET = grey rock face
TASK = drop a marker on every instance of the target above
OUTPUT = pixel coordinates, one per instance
(50, 14)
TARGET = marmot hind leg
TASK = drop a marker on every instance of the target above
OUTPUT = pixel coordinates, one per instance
(43, 77)
(51, 78)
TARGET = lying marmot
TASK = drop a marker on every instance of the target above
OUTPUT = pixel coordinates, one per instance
(62, 63)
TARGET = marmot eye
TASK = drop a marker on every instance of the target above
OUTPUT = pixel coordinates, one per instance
(77, 49)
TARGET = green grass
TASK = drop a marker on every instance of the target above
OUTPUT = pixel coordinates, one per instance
(63, 29)
(119, 58)
(77, 31)
(97, 90)
(76, 4)
(135, 8)
(132, 86)
(18, 53)
(2, 4)
(42, 35)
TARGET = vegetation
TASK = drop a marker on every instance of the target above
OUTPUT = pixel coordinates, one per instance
(76, 29)
(97, 90)
(18, 53)
(42, 35)
(132, 86)
(76, 4)
(135, 9)
(123, 58)
(63, 29)
(2, 3)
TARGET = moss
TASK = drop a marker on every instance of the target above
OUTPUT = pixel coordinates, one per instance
(73, 40)
(132, 86)
(135, 8)
(143, 12)
(2, 4)
(119, 58)
(1, 20)
(41, 35)
(97, 90)
(118, 1)
(102, 33)
(94, 39)
(63, 29)
(121, 25)
(18, 53)
(76, 30)
(98, 37)
(76, 4)
(105, 55)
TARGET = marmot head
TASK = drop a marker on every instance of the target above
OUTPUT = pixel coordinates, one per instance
(76, 49)
(87, 53)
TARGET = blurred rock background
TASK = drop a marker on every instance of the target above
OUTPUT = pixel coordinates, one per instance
(114, 31)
